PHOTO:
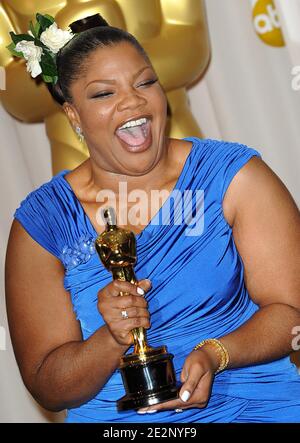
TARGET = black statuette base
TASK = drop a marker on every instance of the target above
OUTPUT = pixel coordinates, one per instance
(148, 383)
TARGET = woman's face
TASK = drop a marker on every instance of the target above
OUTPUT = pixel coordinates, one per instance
(119, 86)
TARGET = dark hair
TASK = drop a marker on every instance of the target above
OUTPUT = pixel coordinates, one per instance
(93, 32)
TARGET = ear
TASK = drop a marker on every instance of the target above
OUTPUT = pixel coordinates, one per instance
(72, 114)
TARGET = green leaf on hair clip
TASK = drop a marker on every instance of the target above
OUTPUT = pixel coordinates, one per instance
(44, 20)
(38, 42)
(35, 29)
(47, 78)
(31, 27)
(48, 65)
(12, 49)
(16, 38)
(38, 29)
(49, 17)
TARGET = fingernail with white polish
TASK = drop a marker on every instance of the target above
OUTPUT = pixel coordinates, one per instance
(141, 412)
(152, 411)
(178, 410)
(185, 396)
(140, 291)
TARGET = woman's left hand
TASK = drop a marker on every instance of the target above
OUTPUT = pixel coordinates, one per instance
(197, 376)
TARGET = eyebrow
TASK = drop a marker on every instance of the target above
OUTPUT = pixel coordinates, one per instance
(110, 82)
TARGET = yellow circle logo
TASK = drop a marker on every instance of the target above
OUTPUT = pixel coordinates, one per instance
(266, 23)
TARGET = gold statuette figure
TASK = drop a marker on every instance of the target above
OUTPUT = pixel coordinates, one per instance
(148, 374)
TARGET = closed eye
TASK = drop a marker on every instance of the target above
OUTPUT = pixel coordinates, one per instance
(150, 82)
(106, 94)
(103, 94)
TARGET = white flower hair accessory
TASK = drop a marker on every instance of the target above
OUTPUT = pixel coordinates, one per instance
(32, 54)
(55, 38)
(40, 47)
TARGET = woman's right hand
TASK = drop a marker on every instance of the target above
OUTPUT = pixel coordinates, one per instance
(111, 305)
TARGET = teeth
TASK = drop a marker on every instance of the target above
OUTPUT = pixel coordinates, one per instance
(133, 123)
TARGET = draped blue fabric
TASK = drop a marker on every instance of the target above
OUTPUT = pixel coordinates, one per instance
(198, 289)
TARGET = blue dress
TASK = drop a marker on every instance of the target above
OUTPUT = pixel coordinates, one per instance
(198, 288)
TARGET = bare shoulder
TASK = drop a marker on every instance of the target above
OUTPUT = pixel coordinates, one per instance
(256, 184)
(21, 244)
(25, 260)
(266, 229)
(179, 151)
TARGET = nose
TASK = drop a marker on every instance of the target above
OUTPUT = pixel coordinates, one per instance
(130, 99)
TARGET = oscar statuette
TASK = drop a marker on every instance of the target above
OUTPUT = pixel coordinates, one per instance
(148, 374)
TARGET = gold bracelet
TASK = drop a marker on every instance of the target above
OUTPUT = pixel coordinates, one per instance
(221, 350)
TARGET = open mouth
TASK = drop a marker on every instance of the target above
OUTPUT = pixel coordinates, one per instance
(135, 133)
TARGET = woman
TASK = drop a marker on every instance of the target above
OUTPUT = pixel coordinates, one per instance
(237, 279)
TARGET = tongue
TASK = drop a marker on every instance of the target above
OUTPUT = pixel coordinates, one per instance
(133, 136)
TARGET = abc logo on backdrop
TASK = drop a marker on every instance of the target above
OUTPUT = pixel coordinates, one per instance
(266, 23)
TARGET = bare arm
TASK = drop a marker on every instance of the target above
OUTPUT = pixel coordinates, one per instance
(266, 230)
(59, 369)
